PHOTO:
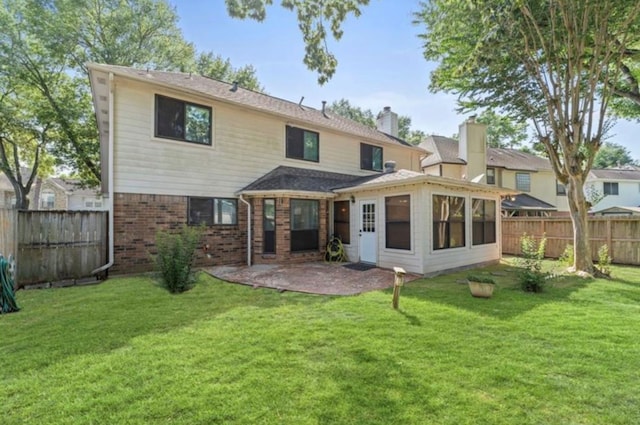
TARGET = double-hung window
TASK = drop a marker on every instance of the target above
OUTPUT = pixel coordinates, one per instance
(448, 222)
(213, 211)
(180, 120)
(491, 176)
(484, 221)
(370, 157)
(610, 188)
(304, 225)
(303, 144)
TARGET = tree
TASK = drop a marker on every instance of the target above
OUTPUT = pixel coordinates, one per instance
(612, 155)
(345, 109)
(550, 62)
(502, 131)
(215, 66)
(50, 59)
(315, 19)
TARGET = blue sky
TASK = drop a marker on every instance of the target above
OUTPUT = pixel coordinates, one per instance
(380, 61)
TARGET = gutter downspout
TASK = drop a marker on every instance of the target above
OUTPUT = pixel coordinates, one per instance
(110, 179)
(248, 228)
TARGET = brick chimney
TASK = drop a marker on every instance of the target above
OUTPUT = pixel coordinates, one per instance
(472, 148)
(387, 122)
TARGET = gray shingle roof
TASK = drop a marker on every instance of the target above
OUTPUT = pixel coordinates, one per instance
(301, 179)
(74, 186)
(221, 91)
(615, 174)
(513, 159)
(445, 150)
(526, 202)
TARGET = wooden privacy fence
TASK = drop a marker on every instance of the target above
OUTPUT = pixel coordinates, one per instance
(620, 234)
(8, 222)
(52, 246)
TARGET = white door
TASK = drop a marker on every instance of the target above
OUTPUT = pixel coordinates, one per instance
(368, 237)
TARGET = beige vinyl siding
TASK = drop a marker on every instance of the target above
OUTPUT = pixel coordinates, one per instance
(245, 146)
(543, 184)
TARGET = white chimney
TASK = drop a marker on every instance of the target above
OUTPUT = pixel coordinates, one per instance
(387, 122)
(472, 148)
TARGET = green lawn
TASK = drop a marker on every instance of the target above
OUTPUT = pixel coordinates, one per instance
(127, 352)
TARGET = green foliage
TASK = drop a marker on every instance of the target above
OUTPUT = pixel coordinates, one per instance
(567, 256)
(552, 63)
(612, 155)
(345, 109)
(176, 254)
(215, 66)
(316, 18)
(502, 130)
(480, 279)
(530, 276)
(604, 261)
(44, 48)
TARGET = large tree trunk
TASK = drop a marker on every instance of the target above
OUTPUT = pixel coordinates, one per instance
(578, 209)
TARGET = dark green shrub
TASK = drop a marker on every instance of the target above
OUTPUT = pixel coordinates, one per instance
(174, 261)
(531, 277)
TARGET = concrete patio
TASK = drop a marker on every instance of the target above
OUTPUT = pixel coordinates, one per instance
(314, 278)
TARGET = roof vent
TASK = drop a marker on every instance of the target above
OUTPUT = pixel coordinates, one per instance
(389, 167)
(234, 87)
(324, 105)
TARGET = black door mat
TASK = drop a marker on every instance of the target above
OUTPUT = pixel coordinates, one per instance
(361, 267)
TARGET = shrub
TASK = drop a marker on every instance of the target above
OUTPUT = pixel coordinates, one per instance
(480, 279)
(567, 256)
(531, 277)
(174, 261)
(604, 261)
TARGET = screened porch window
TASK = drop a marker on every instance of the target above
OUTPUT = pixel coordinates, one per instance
(398, 222)
(341, 222)
(448, 222)
(484, 221)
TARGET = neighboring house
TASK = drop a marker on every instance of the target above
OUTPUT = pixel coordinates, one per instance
(470, 159)
(53, 193)
(270, 180)
(617, 187)
(618, 211)
(58, 193)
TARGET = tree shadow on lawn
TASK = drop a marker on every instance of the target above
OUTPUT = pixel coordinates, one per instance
(508, 299)
(57, 323)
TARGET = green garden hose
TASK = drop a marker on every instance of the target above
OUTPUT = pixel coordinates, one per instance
(335, 251)
(7, 298)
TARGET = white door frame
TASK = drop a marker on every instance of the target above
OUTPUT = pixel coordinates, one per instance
(367, 222)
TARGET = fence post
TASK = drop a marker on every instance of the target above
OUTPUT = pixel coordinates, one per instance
(397, 284)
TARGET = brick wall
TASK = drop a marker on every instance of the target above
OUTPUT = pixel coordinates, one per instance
(137, 218)
(283, 236)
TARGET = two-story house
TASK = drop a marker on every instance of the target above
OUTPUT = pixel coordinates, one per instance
(470, 159)
(270, 180)
(617, 188)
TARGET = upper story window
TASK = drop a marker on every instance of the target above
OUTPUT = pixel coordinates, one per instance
(523, 182)
(610, 188)
(370, 157)
(180, 120)
(213, 211)
(491, 176)
(561, 190)
(47, 200)
(303, 144)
